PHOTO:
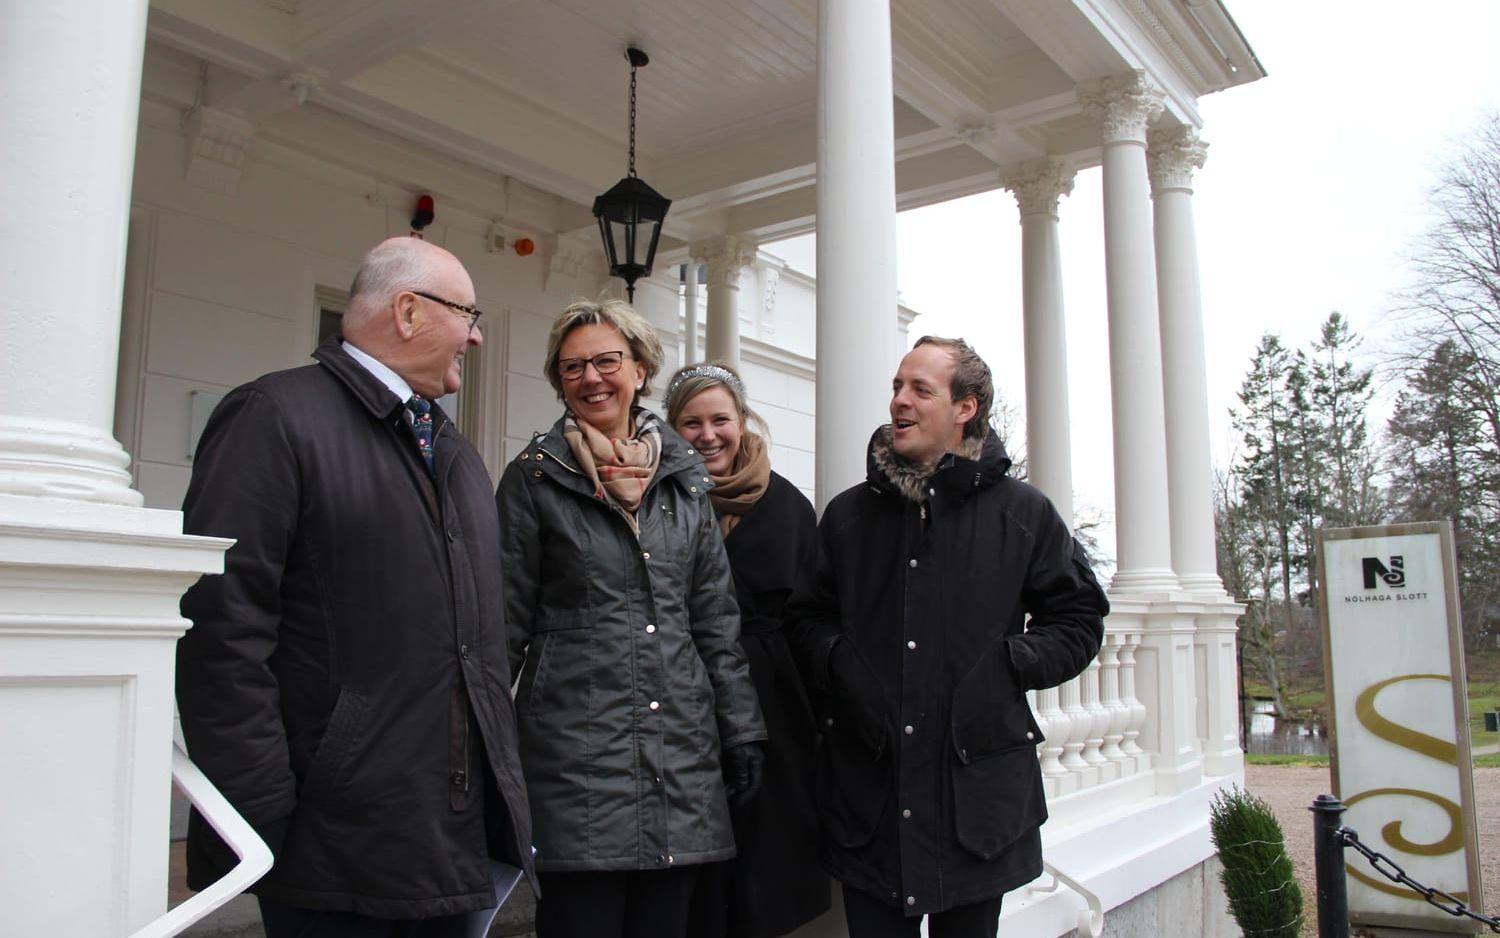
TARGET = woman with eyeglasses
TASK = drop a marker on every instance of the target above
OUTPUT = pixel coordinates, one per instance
(774, 885)
(639, 722)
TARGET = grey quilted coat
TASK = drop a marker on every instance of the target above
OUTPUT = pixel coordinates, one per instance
(632, 676)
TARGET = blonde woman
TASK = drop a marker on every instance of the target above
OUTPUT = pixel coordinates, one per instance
(638, 720)
(774, 885)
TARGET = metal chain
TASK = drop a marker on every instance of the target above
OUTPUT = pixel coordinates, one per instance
(632, 120)
(1434, 897)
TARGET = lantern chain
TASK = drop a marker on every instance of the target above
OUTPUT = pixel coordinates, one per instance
(632, 121)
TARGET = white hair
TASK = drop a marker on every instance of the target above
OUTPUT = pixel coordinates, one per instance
(391, 266)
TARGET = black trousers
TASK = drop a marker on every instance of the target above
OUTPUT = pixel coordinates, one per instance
(610, 904)
(285, 921)
(868, 917)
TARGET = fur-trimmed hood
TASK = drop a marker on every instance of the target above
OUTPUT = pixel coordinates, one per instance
(977, 463)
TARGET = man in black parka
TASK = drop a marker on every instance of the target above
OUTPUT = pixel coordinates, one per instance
(913, 629)
(345, 681)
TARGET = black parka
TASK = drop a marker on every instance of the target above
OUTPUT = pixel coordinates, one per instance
(932, 583)
(631, 673)
(345, 681)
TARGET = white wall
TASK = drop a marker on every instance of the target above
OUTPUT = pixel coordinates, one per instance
(221, 288)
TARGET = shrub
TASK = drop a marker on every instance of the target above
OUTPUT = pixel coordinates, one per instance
(1264, 898)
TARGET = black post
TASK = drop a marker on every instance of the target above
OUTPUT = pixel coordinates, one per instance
(1328, 861)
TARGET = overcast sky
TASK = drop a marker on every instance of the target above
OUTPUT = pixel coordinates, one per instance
(1314, 190)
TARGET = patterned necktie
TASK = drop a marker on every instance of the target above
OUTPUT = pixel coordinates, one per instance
(421, 425)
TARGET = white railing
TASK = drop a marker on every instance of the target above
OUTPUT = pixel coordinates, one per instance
(1117, 719)
(255, 856)
(1091, 724)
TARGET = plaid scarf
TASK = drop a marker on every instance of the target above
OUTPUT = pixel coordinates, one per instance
(620, 469)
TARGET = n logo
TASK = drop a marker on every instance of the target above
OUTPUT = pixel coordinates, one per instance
(1376, 572)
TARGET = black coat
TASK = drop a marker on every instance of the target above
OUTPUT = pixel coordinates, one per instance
(775, 884)
(933, 595)
(631, 673)
(345, 681)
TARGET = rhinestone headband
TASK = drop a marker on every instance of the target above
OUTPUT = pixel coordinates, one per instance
(717, 372)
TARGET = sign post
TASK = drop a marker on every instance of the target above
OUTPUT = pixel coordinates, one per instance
(1398, 717)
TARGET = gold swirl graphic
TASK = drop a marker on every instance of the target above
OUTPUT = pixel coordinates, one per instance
(1393, 732)
(1419, 742)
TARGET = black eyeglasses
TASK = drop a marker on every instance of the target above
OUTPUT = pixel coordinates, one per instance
(473, 312)
(606, 363)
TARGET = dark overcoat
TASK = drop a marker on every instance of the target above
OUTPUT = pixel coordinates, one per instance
(775, 884)
(631, 673)
(932, 584)
(345, 681)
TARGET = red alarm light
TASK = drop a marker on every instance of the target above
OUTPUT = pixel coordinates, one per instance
(525, 246)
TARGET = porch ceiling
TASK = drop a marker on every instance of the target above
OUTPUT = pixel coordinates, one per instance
(535, 91)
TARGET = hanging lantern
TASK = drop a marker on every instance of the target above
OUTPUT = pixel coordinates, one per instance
(630, 213)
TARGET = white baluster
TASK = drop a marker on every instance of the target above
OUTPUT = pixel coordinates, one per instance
(1076, 731)
(1127, 694)
(1098, 723)
(1119, 713)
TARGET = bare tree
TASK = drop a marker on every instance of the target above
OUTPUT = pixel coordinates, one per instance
(1445, 436)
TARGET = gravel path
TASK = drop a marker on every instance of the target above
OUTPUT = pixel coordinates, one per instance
(1289, 789)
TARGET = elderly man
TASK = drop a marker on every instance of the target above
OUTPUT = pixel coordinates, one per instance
(914, 628)
(345, 681)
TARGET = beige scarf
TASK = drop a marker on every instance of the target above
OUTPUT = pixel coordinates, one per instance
(620, 469)
(735, 494)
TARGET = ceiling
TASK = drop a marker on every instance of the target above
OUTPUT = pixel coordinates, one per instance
(519, 107)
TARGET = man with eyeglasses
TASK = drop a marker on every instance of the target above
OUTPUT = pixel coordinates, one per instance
(345, 682)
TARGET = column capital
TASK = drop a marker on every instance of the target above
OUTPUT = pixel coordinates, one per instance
(1038, 184)
(1123, 105)
(216, 147)
(725, 256)
(1171, 157)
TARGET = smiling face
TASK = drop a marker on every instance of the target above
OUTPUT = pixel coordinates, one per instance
(438, 336)
(603, 401)
(925, 420)
(712, 425)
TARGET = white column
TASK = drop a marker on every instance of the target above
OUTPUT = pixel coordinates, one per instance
(726, 258)
(690, 313)
(856, 236)
(1037, 187)
(1171, 158)
(89, 582)
(72, 74)
(1124, 106)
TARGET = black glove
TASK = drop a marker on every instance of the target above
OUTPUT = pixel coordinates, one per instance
(744, 767)
(857, 696)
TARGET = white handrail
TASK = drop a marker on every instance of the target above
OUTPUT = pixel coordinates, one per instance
(255, 856)
(1090, 918)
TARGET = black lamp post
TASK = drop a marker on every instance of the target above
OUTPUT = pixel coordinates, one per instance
(630, 213)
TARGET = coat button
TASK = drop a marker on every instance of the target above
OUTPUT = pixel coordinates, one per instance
(650, 628)
(536, 474)
(458, 779)
(705, 478)
(906, 813)
(452, 535)
(911, 900)
(670, 859)
(828, 721)
(912, 562)
(907, 729)
(645, 555)
(654, 705)
(911, 646)
(932, 491)
(1030, 735)
(463, 651)
(693, 489)
(538, 457)
(656, 781)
